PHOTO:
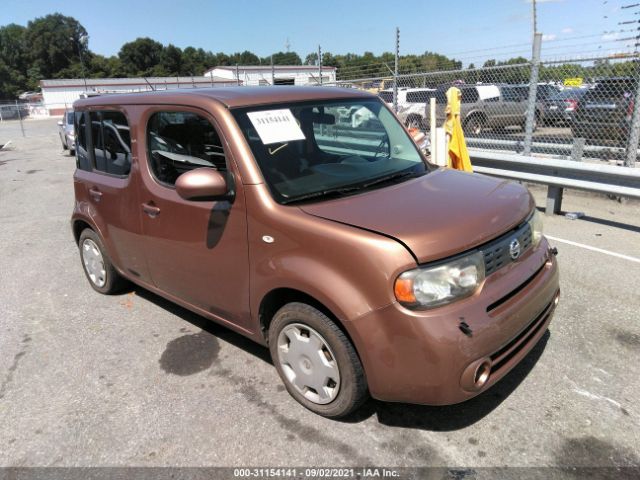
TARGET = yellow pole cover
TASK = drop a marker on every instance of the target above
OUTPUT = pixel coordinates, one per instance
(458, 154)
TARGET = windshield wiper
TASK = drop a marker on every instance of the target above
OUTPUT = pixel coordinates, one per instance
(333, 192)
(347, 190)
(388, 178)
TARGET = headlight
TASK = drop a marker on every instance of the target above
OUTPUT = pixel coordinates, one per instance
(536, 228)
(442, 284)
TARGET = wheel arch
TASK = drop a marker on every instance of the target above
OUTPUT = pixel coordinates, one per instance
(475, 114)
(78, 224)
(279, 297)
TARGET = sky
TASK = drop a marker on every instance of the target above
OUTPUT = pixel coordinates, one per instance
(468, 30)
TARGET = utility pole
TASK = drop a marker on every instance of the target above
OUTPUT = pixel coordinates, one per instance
(273, 73)
(320, 64)
(533, 94)
(534, 17)
(395, 72)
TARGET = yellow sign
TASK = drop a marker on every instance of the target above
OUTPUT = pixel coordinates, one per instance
(573, 82)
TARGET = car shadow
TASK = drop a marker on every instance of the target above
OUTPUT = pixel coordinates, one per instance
(433, 418)
(209, 326)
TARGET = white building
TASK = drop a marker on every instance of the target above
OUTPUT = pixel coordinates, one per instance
(276, 75)
(59, 95)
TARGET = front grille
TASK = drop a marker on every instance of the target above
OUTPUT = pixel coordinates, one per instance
(515, 291)
(496, 253)
(506, 353)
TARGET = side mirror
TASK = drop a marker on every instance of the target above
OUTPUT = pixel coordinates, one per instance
(202, 184)
(60, 123)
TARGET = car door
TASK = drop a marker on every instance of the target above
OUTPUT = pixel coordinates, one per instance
(197, 251)
(105, 185)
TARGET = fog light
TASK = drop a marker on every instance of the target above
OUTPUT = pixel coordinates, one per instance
(476, 375)
(482, 374)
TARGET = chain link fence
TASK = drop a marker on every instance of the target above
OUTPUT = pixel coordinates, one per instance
(584, 109)
(581, 109)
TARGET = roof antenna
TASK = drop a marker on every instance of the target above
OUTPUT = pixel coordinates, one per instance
(152, 87)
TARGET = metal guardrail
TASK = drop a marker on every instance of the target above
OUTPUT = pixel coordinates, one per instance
(568, 148)
(558, 175)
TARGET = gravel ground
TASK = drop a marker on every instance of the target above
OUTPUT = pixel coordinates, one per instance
(91, 380)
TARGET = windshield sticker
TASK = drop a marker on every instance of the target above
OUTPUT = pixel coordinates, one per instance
(276, 126)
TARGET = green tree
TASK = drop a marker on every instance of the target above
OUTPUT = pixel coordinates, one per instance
(286, 58)
(14, 61)
(140, 57)
(54, 42)
(171, 60)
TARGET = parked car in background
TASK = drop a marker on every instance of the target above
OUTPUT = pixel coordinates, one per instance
(489, 107)
(561, 107)
(411, 103)
(254, 208)
(483, 106)
(66, 132)
(9, 112)
(544, 92)
(605, 111)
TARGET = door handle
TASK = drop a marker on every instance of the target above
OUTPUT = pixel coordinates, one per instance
(150, 209)
(95, 194)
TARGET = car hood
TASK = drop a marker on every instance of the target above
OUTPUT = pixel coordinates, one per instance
(436, 215)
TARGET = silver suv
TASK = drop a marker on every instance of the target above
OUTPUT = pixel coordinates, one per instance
(66, 132)
(488, 106)
(482, 106)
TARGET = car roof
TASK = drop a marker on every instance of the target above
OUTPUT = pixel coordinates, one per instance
(232, 97)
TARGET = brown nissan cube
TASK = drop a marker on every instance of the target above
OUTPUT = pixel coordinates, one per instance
(306, 219)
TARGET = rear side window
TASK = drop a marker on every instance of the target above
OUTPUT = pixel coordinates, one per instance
(83, 161)
(510, 94)
(111, 142)
(469, 95)
(182, 141)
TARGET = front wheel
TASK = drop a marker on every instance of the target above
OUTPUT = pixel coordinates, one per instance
(316, 361)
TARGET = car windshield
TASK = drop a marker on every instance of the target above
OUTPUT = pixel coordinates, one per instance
(70, 118)
(331, 148)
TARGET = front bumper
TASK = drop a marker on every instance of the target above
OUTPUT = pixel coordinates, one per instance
(424, 357)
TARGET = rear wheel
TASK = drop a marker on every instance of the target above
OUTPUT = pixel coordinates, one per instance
(414, 121)
(97, 265)
(474, 125)
(316, 361)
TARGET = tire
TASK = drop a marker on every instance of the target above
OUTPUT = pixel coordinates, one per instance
(536, 122)
(108, 281)
(474, 124)
(64, 144)
(414, 121)
(344, 387)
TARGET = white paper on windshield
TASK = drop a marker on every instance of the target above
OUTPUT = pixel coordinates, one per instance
(276, 126)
